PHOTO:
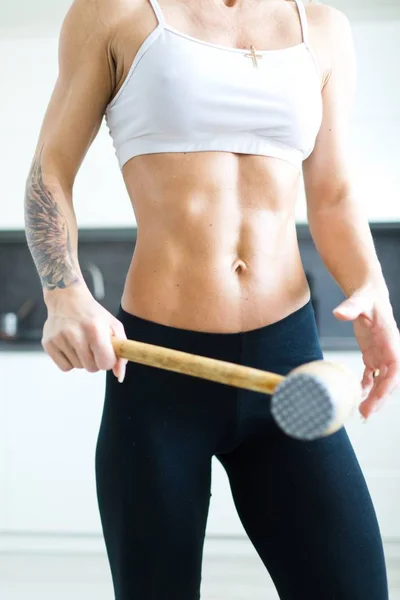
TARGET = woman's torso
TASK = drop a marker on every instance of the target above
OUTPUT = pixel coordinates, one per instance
(216, 247)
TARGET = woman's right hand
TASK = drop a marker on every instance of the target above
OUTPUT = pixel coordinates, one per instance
(78, 331)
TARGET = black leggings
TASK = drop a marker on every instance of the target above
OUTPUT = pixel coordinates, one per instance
(304, 505)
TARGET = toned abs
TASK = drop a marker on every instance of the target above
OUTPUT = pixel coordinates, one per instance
(216, 247)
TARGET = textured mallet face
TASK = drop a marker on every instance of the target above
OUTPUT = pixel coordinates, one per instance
(303, 407)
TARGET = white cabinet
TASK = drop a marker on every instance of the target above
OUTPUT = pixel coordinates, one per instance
(48, 429)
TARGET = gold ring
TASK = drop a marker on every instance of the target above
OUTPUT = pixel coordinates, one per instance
(376, 373)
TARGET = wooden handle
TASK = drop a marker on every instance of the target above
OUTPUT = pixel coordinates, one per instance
(220, 371)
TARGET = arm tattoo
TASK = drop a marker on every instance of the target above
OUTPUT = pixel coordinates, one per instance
(47, 233)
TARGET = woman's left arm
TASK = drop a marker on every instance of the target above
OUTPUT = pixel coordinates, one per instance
(340, 229)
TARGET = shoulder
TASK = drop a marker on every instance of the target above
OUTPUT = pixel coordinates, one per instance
(331, 37)
(329, 22)
(99, 16)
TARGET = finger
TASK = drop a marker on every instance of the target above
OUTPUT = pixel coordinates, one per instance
(86, 356)
(58, 357)
(79, 345)
(370, 405)
(383, 384)
(350, 309)
(369, 392)
(101, 347)
(394, 372)
(386, 381)
(63, 343)
(365, 392)
(119, 369)
(364, 409)
(367, 381)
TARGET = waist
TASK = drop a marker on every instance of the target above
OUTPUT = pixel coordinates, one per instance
(294, 336)
(224, 294)
(278, 347)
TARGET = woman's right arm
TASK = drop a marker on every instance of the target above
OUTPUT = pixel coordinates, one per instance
(78, 330)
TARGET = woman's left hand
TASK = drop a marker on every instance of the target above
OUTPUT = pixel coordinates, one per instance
(379, 340)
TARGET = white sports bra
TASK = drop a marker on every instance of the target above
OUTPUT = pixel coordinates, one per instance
(186, 95)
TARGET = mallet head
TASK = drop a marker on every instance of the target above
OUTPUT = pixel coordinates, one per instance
(315, 400)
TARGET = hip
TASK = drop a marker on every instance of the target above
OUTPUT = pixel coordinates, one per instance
(155, 404)
(279, 346)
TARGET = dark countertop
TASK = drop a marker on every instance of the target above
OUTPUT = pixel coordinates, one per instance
(111, 250)
(327, 344)
(118, 234)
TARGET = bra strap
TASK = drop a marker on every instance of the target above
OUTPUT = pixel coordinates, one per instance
(157, 9)
(303, 19)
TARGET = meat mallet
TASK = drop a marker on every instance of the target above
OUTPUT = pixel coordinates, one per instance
(314, 400)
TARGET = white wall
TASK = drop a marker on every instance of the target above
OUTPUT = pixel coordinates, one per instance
(375, 123)
(28, 69)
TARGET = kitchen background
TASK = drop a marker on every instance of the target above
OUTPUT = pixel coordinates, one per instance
(49, 420)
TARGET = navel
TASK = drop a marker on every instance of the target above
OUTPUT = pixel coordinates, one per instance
(239, 266)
